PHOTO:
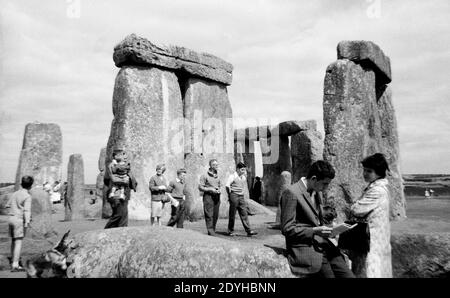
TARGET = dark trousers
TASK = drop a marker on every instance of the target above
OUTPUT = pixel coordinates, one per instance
(177, 215)
(333, 266)
(238, 202)
(211, 204)
(119, 217)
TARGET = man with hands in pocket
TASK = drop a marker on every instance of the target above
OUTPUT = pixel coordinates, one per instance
(310, 251)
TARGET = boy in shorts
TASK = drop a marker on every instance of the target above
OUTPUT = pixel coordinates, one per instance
(19, 219)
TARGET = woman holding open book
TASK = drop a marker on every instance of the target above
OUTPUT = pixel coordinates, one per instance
(373, 207)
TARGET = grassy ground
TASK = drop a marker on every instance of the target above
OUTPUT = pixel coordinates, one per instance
(424, 216)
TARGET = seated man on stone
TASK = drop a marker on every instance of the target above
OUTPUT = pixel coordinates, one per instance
(310, 251)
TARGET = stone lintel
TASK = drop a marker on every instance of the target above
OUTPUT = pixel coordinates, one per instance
(135, 50)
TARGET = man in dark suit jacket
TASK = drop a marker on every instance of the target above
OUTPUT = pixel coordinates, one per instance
(310, 251)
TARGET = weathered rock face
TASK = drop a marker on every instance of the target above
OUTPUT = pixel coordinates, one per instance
(74, 204)
(286, 181)
(369, 55)
(349, 109)
(134, 50)
(146, 105)
(164, 252)
(390, 147)
(100, 193)
(273, 165)
(359, 121)
(5, 193)
(421, 255)
(41, 155)
(306, 148)
(41, 215)
(209, 135)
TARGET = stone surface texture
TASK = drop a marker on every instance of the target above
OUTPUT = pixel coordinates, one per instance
(41, 154)
(140, 252)
(5, 193)
(146, 103)
(209, 135)
(41, 215)
(100, 192)
(421, 255)
(306, 148)
(75, 203)
(134, 50)
(369, 55)
(273, 164)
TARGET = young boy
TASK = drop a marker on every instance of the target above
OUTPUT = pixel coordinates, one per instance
(235, 187)
(119, 169)
(19, 219)
(176, 192)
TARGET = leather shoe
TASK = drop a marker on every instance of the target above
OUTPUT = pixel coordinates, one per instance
(251, 233)
(231, 234)
(18, 269)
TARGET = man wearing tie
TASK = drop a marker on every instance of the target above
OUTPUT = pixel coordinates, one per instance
(310, 251)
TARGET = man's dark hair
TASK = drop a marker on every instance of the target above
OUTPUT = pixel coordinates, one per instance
(211, 161)
(241, 165)
(321, 169)
(27, 182)
(378, 163)
(182, 170)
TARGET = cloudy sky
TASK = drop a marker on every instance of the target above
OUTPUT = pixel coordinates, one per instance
(56, 64)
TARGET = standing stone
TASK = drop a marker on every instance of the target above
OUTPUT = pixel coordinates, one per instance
(147, 107)
(273, 164)
(41, 214)
(209, 135)
(390, 148)
(286, 181)
(41, 154)
(74, 204)
(359, 121)
(100, 191)
(306, 148)
(5, 193)
(349, 106)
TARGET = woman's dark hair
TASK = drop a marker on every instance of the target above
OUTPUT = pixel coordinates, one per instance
(321, 169)
(378, 163)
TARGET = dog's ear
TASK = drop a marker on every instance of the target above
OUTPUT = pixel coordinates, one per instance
(62, 245)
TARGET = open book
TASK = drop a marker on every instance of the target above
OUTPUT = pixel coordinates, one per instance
(340, 228)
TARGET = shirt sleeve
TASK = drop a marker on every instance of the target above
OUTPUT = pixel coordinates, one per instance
(202, 183)
(152, 185)
(27, 209)
(368, 202)
(170, 187)
(229, 181)
(296, 232)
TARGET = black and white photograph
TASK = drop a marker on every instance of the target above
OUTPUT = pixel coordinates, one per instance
(226, 146)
